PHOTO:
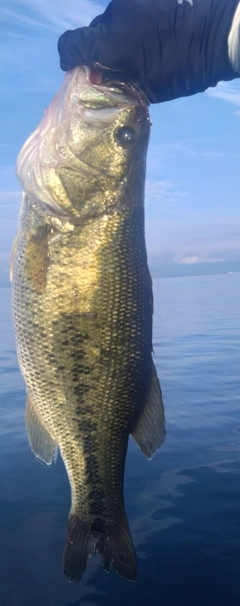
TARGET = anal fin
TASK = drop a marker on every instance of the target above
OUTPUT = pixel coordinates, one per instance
(149, 432)
(41, 442)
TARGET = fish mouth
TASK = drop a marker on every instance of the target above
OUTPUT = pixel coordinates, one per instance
(126, 87)
(131, 90)
(105, 91)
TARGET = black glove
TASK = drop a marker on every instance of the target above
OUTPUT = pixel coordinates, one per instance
(170, 48)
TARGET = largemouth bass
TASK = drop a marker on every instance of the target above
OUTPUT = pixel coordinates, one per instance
(82, 306)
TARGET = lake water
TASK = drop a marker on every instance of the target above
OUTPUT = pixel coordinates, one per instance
(183, 506)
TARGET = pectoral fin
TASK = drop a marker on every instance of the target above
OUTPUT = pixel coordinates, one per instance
(149, 432)
(41, 442)
(37, 259)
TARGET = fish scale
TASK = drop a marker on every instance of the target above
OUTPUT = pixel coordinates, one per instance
(82, 308)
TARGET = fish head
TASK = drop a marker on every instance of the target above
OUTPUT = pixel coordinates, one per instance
(89, 149)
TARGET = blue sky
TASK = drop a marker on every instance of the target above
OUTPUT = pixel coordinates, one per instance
(192, 187)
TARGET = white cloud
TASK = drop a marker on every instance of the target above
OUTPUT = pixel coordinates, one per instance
(29, 34)
(193, 237)
(166, 193)
(188, 260)
(157, 189)
(226, 92)
(163, 197)
(160, 154)
(56, 15)
(194, 259)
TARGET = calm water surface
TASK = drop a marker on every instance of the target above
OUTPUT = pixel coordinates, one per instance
(183, 506)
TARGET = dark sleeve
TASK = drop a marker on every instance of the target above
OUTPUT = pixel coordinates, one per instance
(171, 48)
(195, 56)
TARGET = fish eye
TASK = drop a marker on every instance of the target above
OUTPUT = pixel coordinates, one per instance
(125, 135)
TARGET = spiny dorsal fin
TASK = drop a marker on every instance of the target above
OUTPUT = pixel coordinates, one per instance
(41, 442)
(149, 432)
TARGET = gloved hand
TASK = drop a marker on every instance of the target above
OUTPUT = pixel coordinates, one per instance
(170, 48)
(124, 38)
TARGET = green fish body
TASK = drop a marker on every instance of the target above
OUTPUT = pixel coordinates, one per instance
(82, 307)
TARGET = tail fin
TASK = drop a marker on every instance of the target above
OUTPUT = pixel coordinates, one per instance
(118, 549)
(115, 545)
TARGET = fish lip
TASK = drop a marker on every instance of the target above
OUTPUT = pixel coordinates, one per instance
(134, 91)
(121, 86)
(124, 84)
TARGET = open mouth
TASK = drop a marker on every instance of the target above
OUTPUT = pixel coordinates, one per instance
(117, 83)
